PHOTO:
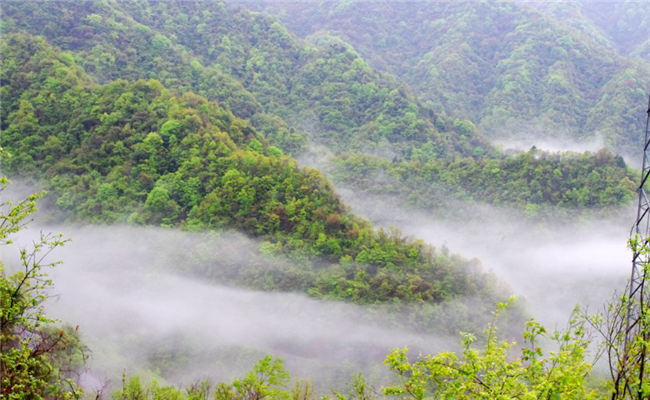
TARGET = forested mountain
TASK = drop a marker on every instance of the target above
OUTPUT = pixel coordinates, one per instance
(620, 25)
(515, 71)
(231, 55)
(319, 91)
(137, 153)
(191, 116)
(201, 146)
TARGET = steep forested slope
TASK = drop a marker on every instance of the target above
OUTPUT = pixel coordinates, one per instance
(513, 70)
(137, 153)
(323, 92)
(620, 25)
(111, 45)
(246, 61)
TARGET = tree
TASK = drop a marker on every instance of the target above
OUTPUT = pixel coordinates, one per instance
(495, 372)
(624, 327)
(37, 360)
(265, 381)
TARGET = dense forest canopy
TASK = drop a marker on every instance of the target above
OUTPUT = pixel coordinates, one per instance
(329, 86)
(539, 69)
(319, 92)
(136, 153)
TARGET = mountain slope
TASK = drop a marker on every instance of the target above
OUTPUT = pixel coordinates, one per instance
(620, 25)
(318, 90)
(513, 70)
(245, 61)
(137, 153)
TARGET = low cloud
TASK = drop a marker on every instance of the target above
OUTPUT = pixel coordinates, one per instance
(157, 301)
(554, 265)
(138, 310)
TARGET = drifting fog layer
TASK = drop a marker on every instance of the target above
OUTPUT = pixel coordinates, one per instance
(553, 145)
(123, 287)
(554, 267)
(559, 144)
(146, 299)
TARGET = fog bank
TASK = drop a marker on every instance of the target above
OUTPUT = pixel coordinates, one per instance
(555, 266)
(156, 301)
(137, 310)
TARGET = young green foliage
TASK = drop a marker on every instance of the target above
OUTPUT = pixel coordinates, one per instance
(624, 330)
(36, 359)
(497, 371)
(266, 380)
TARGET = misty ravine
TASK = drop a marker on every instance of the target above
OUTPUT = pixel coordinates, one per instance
(352, 200)
(154, 317)
(151, 310)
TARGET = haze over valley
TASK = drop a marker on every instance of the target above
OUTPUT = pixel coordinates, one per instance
(275, 200)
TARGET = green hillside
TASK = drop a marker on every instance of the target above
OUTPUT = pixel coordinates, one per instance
(319, 91)
(540, 185)
(246, 61)
(137, 153)
(195, 120)
(513, 70)
(620, 25)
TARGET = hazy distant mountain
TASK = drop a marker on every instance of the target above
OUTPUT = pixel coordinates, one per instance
(563, 70)
(621, 25)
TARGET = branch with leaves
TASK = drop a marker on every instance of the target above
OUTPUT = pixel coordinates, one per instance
(37, 359)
